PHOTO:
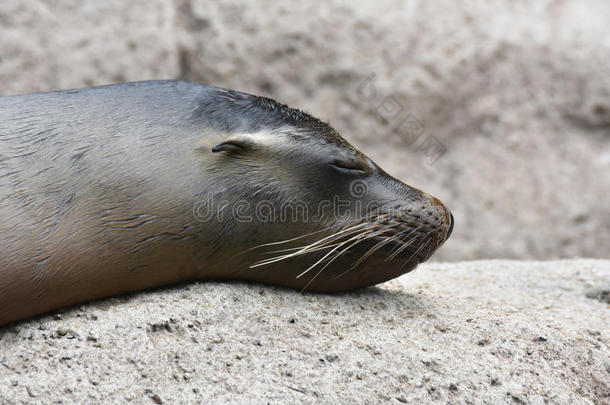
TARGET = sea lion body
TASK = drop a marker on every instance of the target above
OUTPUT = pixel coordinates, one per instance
(120, 188)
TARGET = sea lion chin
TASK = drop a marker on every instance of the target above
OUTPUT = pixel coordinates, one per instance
(113, 189)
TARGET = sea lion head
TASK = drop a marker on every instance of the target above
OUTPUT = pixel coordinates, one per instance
(310, 211)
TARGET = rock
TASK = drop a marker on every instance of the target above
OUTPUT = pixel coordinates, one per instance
(602, 294)
(84, 43)
(512, 331)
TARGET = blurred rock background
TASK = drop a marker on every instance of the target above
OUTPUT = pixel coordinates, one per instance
(499, 108)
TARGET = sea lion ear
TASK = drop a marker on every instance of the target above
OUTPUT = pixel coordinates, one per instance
(236, 144)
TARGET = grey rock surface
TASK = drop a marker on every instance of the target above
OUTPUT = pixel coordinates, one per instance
(48, 45)
(469, 332)
(516, 94)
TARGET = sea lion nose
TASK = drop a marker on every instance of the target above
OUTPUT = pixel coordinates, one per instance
(450, 225)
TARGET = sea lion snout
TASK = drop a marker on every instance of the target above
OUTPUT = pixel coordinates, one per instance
(438, 213)
(416, 207)
(426, 224)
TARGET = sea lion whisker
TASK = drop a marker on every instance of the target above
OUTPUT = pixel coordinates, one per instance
(401, 248)
(398, 238)
(335, 257)
(372, 250)
(288, 240)
(350, 230)
(360, 236)
(355, 243)
(307, 249)
(299, 248)
(358, 223)
(404, 246)
(380, 232)
(369, 233)
(360, 239)
(338, 236)
(359, 261)
(425, 243)
(302, 250)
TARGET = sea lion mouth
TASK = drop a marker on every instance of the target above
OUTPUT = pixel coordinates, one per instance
(381, 240)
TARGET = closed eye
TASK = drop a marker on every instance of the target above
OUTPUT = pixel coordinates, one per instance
(349, 167)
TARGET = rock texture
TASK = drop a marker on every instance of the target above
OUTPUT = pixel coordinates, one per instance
(500, 108)
(471, 332)
(47, 45)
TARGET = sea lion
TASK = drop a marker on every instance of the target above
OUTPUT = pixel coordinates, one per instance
(113, 189)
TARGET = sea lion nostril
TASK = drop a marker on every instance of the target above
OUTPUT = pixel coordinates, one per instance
(450, 226)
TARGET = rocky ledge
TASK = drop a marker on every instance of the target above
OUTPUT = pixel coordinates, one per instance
(470, 332)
